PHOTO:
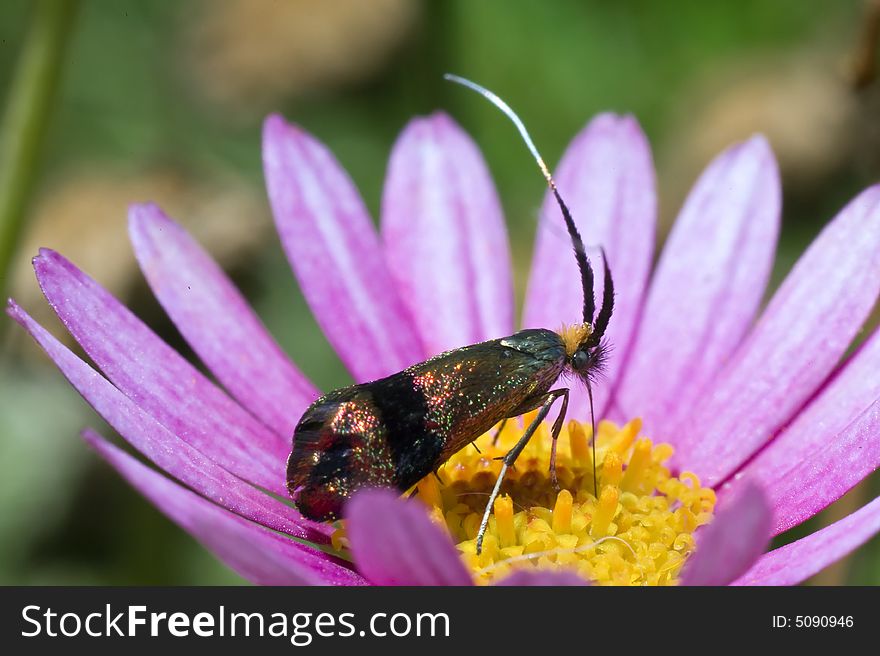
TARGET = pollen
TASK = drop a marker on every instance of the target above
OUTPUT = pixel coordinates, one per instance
(638, 532)
(574, 335)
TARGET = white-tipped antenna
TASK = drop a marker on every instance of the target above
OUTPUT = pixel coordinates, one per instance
(580, 254)
(504, 107)
(576, 241)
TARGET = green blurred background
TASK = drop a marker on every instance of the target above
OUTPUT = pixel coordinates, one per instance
(163, 101)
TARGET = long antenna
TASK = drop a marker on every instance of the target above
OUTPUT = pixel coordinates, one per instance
(607, 308)
(580, 253)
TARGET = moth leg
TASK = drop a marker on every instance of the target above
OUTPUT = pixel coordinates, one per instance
(512, 455)
(498, 432)
(557, 427)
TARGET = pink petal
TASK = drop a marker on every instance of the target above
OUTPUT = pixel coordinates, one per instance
(169, 452)
(336, 255)
(737, 536)
(829, 447)
(395, 543)
(158, 379)
(259, 555)
(217, 321)
(607, 179)
(798, 561)
(707, 287)
(801, 336)
(543, 578)
(445, 238)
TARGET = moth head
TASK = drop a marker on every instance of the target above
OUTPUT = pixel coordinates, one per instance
(588, 361)
(584, 347)
(584, 351)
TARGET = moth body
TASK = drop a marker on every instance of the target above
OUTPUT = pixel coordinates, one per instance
(394, 431)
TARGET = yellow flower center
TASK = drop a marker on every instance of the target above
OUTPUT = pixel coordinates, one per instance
(639, 531)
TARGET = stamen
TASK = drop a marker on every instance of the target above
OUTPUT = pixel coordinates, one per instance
(562, 512)
(626, 436)
(504, 521)
(429, 491)
(605, 511)
(612, 469)
(638, 465)
(579, 444)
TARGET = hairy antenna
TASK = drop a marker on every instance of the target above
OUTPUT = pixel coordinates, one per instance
(607, 308)
(580, 253)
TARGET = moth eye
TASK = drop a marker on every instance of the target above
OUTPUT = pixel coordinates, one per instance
(580, 360)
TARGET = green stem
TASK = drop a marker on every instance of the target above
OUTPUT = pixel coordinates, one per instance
(30, 102)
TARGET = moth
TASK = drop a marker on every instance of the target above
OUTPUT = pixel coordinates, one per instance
(394, 431)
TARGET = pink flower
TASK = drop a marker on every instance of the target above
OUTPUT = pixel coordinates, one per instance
(764, 411)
